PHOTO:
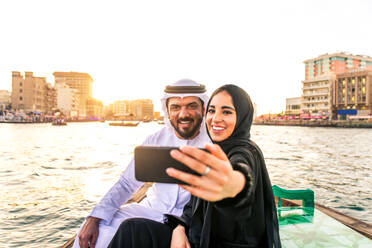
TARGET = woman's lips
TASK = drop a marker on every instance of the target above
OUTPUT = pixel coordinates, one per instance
(218, 129)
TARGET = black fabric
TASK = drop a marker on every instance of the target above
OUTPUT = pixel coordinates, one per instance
(140, 232)
(249, 219)
(185, 89)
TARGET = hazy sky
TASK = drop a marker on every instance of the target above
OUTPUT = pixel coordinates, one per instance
(132, 49)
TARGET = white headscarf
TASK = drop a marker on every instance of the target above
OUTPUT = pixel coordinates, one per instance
(182, 82)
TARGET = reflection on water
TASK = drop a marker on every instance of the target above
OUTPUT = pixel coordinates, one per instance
(52, 176)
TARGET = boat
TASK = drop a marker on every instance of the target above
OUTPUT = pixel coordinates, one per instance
(304, 223)
(59, 122)
(125, 123)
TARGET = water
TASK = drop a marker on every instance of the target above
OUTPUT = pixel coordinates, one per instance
(52, 176)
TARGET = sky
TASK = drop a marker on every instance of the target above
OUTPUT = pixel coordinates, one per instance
(132, 49)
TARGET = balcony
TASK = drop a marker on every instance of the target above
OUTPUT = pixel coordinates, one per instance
(316, 101)
(323, 86)
(318, 93)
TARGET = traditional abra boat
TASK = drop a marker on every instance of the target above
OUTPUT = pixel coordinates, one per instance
(59, 122)
(124, 124)
(304, 223)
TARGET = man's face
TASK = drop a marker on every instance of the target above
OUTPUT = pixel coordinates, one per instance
(185, 115)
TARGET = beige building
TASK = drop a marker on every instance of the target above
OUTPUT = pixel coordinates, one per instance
(31, 93)
(4, 99)
(137, 109)
(353, 90)
(80, 81)
(94, 108)
(293, 106)
(67, 100)
(317, 95)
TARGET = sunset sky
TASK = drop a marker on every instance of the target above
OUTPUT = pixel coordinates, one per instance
(132, 49)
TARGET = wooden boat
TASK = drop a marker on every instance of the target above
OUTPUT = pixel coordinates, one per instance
(59, 123)
(124, 124)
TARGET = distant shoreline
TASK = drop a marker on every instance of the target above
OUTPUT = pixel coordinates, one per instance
(316, 123)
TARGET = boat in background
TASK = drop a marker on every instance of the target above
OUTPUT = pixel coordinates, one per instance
(125, 123)
(59, 122)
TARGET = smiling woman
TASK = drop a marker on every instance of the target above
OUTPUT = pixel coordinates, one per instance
(221, 116)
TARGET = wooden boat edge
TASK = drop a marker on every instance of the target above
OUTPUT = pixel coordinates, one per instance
(361, 227)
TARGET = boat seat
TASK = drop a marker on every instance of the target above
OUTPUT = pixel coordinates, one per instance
(306, 195)
(295, 215)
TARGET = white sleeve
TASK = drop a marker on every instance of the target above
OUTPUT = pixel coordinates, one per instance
(119, 194)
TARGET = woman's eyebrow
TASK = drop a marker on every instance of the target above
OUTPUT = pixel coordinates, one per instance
(227, 107)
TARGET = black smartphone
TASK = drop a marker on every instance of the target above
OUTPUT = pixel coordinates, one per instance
(152, 161)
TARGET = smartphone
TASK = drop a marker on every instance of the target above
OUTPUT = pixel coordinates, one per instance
(152, 161)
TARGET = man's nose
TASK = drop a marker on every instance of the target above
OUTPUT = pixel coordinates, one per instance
(184, 112)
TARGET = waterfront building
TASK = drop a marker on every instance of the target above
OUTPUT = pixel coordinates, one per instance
(67, 100)
(120, 108)
(293, 106)
(50, 99)
(142, 109)
(32, 94)
(94, 108)
(353, 93)
(138, 109)
(4, 99)
(80, 81)
(316, 95)
(320, 76)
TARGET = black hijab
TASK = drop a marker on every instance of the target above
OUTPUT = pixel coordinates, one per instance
(240, 142)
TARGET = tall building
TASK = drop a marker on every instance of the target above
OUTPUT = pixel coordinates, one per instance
(80, 81)
(67, 100)
(31, 93)
(320, 76)
(353, 93)
(335, 63)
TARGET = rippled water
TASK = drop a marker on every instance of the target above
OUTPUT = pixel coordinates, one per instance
(52, 176)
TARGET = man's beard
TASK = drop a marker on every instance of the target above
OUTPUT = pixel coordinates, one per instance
(188, 134)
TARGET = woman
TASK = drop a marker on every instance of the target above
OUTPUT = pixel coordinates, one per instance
(232, 203)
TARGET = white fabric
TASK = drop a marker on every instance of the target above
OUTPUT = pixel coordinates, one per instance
(160, 198)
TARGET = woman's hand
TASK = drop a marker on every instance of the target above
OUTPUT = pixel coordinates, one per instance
(220, 182)
(179, 238)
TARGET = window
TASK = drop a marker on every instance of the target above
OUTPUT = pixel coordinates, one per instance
(20, 84)
(20, 98)
(20, 90)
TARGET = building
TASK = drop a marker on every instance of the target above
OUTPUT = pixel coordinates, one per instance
(5, 97)
(316, 95)
(50, 99)
(136, 109)
(67, 100)
(320, 76)
(293, 106)
(94, 108)
(335, 63)
(120, 108)
(31, 94)
(353, 93)
(80, 81)
(142, 109)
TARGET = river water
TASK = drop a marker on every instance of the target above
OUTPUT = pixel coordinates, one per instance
(52, 176)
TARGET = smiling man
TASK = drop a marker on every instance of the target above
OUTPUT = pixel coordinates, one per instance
(184, 107)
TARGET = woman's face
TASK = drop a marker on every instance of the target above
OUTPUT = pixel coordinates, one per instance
(221, 116)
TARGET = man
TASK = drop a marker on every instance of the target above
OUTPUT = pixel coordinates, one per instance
(184, 107)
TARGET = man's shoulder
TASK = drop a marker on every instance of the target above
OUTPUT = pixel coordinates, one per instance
(157, 137)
